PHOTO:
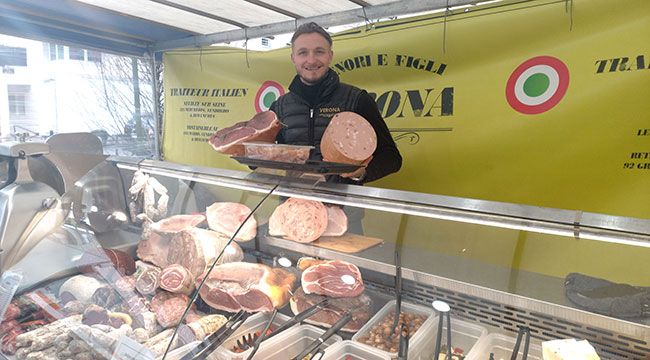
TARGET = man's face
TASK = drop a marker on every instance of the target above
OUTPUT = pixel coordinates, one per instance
(311, 55)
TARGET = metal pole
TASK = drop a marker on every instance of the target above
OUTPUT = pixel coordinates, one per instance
(137, 115)
(156, 103)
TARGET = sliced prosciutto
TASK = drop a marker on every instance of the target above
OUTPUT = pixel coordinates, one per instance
(334, 278)
(263, 127)
(226, 217)
(176, 278)
(247, 286)
(299, 220)
(360, 306)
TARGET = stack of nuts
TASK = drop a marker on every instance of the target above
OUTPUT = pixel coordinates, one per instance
(381, 335)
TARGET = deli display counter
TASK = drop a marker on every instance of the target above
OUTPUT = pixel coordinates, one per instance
(157, 260)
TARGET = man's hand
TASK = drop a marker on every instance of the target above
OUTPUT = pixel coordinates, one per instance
(359, 172)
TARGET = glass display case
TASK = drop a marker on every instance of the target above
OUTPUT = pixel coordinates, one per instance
(155, 259)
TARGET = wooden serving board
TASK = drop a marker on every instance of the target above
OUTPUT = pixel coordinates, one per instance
(347, 243)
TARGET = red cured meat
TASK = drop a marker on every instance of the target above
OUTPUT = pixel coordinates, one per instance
(333, 278)
(12, 312)
(262, 127)
(169, 313)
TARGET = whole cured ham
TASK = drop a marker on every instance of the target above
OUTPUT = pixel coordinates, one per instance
(262, 127)
(154, 246)
(334, 278)
(154, 249)
(176, 223)
(226, 217)
(247, 286)
(337, 221)
(299, 220)
(349, 138)
(176, 278)
(195, 249)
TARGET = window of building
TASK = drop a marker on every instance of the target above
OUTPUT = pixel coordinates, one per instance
(18, 96)
(13, 56)
(95, 56)
(60, 52)
(17, 104)
(77, 54)
(57, 52)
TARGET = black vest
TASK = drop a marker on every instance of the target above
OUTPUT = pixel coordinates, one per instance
(304, 124)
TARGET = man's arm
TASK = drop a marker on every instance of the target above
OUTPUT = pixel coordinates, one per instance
(386, 159)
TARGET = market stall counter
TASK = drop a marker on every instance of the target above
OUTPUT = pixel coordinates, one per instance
(161, 260)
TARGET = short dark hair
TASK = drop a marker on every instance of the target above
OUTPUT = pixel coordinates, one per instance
(308, 28)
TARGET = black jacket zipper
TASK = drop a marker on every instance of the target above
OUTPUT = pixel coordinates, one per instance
(312, 125)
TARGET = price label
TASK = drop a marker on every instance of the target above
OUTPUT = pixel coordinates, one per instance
(8, 285)
(129, 349)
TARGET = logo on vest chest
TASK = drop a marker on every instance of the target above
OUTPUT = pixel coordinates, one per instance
(328, 112)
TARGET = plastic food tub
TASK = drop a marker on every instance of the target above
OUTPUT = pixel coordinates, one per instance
(254, 323)
(421, 345)
(501, 346)
(464, 335)
(292, 342)
(277, 152)
(352, 350)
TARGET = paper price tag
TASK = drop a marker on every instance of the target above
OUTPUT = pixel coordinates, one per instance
(8, 285)
(129, 349)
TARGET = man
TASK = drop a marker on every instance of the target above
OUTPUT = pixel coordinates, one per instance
(316, 95)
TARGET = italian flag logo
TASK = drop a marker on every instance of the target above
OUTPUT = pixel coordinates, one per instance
(267, 94)
(537, 85)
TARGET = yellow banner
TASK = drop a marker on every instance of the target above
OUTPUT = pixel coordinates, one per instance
(532, 103)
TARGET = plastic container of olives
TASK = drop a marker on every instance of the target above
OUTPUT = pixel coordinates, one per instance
(421, 342)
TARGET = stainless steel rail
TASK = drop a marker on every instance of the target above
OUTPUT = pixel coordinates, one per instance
(569, 223)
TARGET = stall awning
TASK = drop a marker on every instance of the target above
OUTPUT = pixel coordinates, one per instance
(135, 27)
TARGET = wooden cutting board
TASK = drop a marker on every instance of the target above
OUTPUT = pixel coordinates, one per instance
(347, 243)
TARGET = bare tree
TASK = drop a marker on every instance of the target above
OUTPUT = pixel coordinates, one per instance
(125, 97)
